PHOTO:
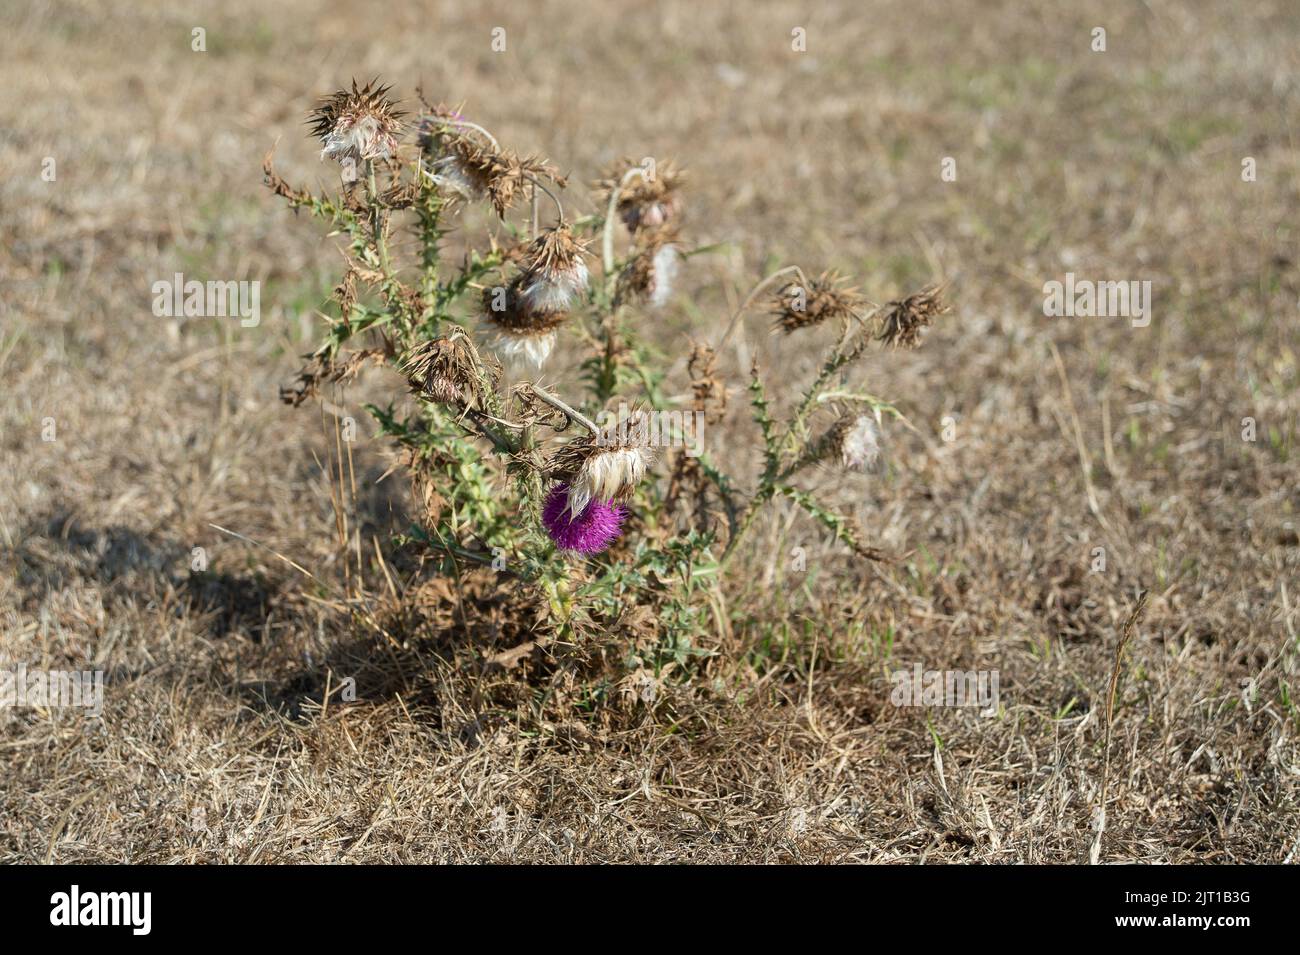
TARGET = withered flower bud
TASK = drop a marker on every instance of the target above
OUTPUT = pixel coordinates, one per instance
(464, 163)
(903, 321)
(442, 370)
(648, 200)
(554, 273)
(827, 297)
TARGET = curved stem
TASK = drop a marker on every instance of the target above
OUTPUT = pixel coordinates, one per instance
(749, 299)
(466, 124)
(498, 440)
(559, 209)
(563, 408)
(607, 238)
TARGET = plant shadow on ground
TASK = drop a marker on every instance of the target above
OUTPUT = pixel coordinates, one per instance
(129, 565)
(403, 647)
(391, 645)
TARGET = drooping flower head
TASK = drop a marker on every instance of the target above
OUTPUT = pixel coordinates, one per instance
(647, 199)
(852, 442)
(519, 334)
(467, 162)
(826, 297)
(360, 124)
(604, 467)
(525, 314)
(590, 531)
(651, 273)
(554, 273)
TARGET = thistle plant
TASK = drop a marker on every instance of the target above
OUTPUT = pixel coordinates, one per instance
(593, 518)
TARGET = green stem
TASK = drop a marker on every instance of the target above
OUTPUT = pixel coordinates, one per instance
(833, 364)
(377, 221)
(532, 482)
(607, 236)
(561, 603)
(763, 495)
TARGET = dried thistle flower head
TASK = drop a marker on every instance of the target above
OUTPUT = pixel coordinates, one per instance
(651, 274)
(826, 297)
(465, 163)
(323, 368)
(647, 198)
(525, 314)
(554, 273)
(855, 440)
(360, 124)
(521, 334)
(524, 348)
(903, 321)
(604, 467)
(442, 370)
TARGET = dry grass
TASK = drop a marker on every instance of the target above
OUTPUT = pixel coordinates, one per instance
(1068, 434)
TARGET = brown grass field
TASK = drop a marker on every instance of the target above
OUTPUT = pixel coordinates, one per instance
(1037, 440)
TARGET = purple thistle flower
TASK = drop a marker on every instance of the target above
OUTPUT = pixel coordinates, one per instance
(590, 532)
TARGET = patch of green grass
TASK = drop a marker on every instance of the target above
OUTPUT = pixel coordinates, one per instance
(231, 38)
(1185, 134)
(990, 86)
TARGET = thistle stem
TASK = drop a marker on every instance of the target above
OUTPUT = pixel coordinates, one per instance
(607, 236)
(755, 505)
(466, 124)
(749, 299)
(839, 359)
(559, 209)
(532, 482)
(381, 244)
(561, 603)
(563, 408)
